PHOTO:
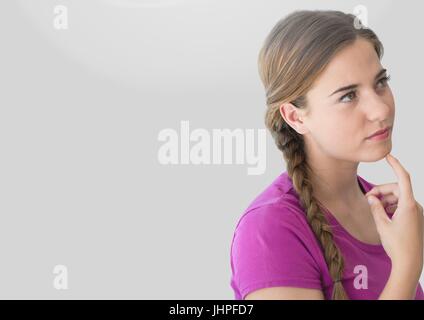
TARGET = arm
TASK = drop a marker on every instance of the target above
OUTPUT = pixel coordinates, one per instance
(285, 293)
(268, 255)
(402, 235)
(402, 283)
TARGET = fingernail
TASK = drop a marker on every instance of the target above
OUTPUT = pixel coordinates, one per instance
(370, 200)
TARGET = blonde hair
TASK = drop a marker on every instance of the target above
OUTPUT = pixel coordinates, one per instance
(293, 55)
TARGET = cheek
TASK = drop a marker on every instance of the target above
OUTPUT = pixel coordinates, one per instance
(340, 131)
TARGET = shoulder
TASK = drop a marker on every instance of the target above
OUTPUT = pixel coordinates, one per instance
(273, 245)
(278, 215)
(281, 187)
(276, 224)
(274, 214)
(276, 207)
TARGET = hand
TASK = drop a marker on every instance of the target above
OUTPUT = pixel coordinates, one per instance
(388, 195)
(402, 235)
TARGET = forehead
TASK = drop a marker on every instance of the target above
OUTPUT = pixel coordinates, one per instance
(355, 64)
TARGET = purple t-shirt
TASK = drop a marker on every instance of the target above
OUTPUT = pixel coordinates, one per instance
(273, 245)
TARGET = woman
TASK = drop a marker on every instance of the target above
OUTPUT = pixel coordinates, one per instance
(312, 233)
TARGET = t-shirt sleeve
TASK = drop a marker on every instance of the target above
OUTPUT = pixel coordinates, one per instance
(272, 247)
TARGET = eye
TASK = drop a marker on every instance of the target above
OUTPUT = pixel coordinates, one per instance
(384, 81)
(350, 96)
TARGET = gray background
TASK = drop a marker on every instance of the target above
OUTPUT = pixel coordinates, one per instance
(80, 112)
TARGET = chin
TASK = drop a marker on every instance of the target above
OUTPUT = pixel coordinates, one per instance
(377, 151)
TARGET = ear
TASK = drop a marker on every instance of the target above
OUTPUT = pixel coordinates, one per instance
(294, 117)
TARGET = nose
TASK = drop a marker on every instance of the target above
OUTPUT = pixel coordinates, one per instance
(378, 106)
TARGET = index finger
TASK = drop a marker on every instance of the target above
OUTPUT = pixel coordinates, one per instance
(404, 180)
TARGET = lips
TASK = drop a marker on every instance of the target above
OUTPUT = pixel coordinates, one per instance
(379, 132)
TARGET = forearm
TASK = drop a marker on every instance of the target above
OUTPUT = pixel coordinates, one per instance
(402, 283)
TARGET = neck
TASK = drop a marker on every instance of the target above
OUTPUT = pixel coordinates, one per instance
(334, 180)
(337, 186)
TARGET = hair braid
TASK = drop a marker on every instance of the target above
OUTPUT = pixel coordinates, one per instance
(292, 146)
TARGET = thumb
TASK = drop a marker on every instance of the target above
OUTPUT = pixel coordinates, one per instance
(378, 212)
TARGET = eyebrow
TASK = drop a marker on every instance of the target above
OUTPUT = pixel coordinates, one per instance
(353, 86)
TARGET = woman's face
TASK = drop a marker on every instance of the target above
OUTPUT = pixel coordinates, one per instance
(338, 121)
